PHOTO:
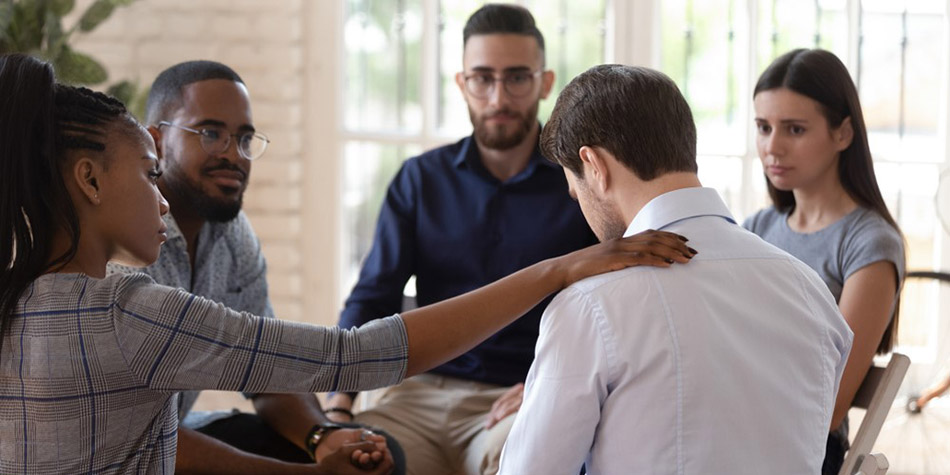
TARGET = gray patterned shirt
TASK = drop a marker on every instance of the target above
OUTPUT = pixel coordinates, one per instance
(229, 268)
(89, 368)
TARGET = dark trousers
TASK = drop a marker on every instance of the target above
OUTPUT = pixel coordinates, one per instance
(249, 433)
(835, 449)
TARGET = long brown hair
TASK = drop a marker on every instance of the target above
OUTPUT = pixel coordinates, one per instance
(821, 76)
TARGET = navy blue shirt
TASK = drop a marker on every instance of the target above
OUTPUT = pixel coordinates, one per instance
(453, 225)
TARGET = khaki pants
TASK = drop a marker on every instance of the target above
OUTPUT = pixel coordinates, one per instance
(440, 423)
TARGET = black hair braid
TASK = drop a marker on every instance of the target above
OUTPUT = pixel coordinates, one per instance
(80, 115)
(40, 120)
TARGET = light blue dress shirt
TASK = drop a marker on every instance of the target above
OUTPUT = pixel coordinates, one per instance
(728, 364)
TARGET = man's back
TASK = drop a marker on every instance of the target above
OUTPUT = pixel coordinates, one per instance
(727, 365)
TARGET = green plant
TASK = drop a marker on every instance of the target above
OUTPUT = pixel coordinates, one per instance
(36, 27)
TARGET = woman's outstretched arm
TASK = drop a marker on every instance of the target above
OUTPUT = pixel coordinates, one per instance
(445, 330)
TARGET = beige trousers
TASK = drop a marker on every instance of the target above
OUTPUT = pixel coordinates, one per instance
(440, 424)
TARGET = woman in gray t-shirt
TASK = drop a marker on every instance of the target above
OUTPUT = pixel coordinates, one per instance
(827, 208)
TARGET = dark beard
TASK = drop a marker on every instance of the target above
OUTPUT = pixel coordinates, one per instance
(203, 205)
(499, 138)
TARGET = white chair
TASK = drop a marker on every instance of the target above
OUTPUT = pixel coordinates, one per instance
(876, 395)
(872, 464)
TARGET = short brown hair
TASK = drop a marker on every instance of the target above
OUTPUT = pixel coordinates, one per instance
(502, 18)
(637, 114)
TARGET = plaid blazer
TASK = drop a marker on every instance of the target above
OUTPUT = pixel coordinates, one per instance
(89, 369)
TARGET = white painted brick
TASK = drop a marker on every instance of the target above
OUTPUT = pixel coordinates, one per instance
(276, 87)
(269, 170)
(279, 227)
(165, 53)
(279, 27)
(272, 198)
(234, 26)
(272, 114)
(117, 56)
(289, 309)
(281, 284)
(281, 256)
(262, 56)
(285, 141)
(184, 26)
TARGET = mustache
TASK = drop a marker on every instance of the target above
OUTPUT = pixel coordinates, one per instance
(491, 114)
(225, 165)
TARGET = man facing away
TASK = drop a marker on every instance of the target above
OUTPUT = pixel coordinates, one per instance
(727, 366)
(459, 217)
(199, 114)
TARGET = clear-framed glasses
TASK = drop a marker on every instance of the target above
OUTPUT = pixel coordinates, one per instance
(516, 84)
(215, 140)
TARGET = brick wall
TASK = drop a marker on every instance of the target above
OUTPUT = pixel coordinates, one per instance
(291, 85)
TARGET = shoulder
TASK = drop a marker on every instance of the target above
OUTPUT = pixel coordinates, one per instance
(869, 238)
(238, 231)
(763, 219)
(435, 158)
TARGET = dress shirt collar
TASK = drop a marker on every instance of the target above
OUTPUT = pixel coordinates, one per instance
(173, 232)
(469, 156)
(678, 205)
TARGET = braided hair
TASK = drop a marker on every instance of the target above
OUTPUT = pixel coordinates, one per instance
(41, 122)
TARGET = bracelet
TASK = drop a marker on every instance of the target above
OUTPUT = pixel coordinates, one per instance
(341, 410)
(316, 435)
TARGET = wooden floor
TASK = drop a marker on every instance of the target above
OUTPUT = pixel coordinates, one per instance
(914, 444)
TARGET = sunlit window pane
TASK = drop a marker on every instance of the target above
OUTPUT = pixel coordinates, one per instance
(383, 48)
(704, 50)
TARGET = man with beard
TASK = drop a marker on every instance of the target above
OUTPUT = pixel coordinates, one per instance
(456, 218)
(730, 365)
(199, 114)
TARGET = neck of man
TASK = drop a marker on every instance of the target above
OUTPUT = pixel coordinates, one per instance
(188, 221)
(504, 164)
(632, 194)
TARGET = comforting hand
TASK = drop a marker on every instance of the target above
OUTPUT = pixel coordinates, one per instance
(336, 440)
(360, 458)
(648, 248)
(506, 405)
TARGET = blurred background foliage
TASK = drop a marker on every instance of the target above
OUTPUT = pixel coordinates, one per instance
(36, 27)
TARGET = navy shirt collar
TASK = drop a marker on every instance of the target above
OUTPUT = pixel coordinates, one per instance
(469, 157)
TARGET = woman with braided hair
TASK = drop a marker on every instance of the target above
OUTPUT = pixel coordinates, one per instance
(90, 365)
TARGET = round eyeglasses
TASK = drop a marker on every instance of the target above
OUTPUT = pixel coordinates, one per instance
(516, 84)
(215, 140)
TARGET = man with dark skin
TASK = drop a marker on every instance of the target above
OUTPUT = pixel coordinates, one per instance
(199, 115)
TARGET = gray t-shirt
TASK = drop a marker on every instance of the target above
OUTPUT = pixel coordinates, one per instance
(853, 242)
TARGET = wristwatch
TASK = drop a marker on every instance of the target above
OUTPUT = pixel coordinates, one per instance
(317, 434)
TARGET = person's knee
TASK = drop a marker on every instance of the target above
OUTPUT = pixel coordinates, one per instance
(484, 454)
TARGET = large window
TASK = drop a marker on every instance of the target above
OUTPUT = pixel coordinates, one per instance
(400, 97)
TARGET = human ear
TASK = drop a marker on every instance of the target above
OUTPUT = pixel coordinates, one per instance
(156, 134)
(460, 82)
(547, 83)
(844, 134)
(595, 168)
(87, 173)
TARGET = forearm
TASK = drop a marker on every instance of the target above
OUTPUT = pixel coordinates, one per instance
(202, 454)
(290, 415)
(440, 332)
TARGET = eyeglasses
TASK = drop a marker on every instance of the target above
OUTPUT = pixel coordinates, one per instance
(482, 85)
(216, 140)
